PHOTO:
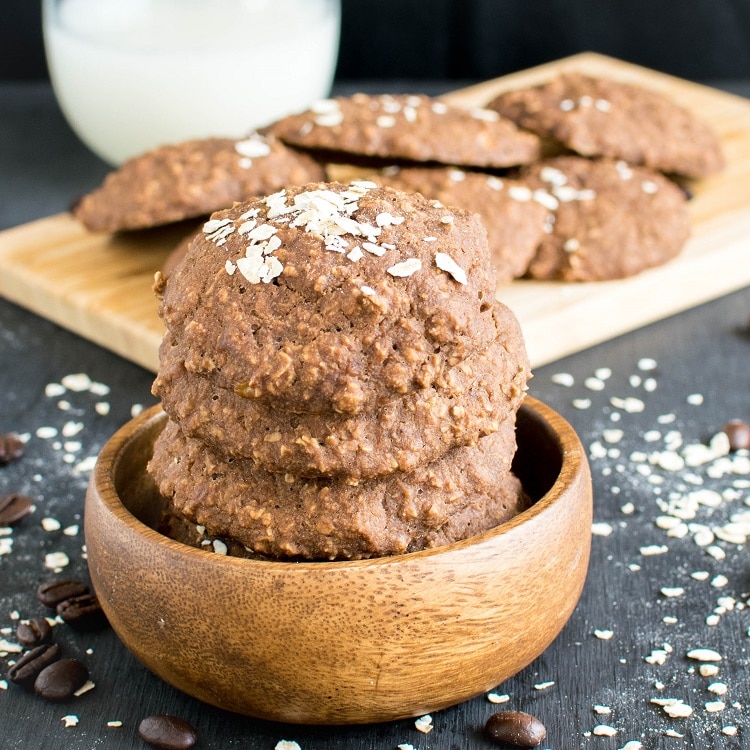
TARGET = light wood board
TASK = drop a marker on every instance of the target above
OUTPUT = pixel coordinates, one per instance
(99, 285)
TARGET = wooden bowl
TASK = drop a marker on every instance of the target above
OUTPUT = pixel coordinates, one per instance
(342, 642)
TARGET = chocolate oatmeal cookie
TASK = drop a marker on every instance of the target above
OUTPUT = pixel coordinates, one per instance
(600, 117)
(416, 128)
(329, 298)
(513, 215)
(192, 179)
(612, 221)
(465, 402)
(465, 492)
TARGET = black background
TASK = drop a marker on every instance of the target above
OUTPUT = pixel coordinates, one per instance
(477, 39)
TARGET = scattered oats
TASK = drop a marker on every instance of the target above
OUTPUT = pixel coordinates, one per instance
(704, 654)
(543, 198)
(544, 685)
(53, 390)
(594, 384)
(604, 635)
(613, 436)
(355, 254)
(15, 615)
(85, 466)
(666, 418)
(457, 175)
(649, 385)
(649, 186)
(630, 404)
(567, 104)
(657, 656)
(520, 193)
(729, 731)
(424, 724)
(703, 538)
(634, 567)
(368, 291)
(654, 549)
(102, 408)
(405, 746)
(674, 707)
(700, 575)
(230, 267)
(602, 710)
(672, 591)
(70, 720)
(77, 382)
(8, 647)
(3, 684)
(56, 560)
(219, 547)
(718, 688)
(669, 619)
(405, 268)
(286, 745)
(6, 545)
(719, 581)
(628, 509)
(646, 364)
(604, 730)
(581, 403)
(696, 399)
(374, 249)
(601, 528)
(708, 670)
(716, 552)
(88, 685)
(603, 373)
(116, 723)
(447, 219)
(563, 378)
(673, 733)
(64, 405)
(496, 698)
(632, 745)
(46, 433)
(51, 524)
(71, 530)
(494, 183)
(445, 263)
(429, 239)
(136, 409)
(714, 707)
(385, 121)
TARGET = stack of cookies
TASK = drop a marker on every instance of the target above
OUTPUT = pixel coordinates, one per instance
(339, 379)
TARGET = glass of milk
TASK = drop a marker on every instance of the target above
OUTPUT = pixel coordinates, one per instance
(131, 75)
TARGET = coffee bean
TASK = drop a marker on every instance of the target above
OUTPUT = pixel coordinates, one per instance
(30, 664)
(167, 732)
(738, 433)
(515, 728)
(82, 612)
(13, 508)
(61, 679)
(11, 448)
(34, 633)
(52, 593)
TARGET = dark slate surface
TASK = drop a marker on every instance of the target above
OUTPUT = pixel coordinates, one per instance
(703, 351)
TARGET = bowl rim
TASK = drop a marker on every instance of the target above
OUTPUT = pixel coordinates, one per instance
(573, 461)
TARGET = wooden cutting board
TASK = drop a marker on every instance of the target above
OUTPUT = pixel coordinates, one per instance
(99, 285)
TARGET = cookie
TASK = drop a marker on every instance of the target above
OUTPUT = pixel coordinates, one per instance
(612, 221)
(416, 128)
(329, 298)
(465, 492)
(600, 117)
(513, 215)
(468, 401)
(190, 179)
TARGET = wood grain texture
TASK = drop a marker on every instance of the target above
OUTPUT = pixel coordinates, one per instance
(100, 285)
(343, 642)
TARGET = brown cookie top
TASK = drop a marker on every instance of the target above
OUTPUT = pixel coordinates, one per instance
(465, 492)
(601, 117)
(328, 298)
(465, 402)
(513, 215)
(191, 179)
(411, 127)
(612, 220)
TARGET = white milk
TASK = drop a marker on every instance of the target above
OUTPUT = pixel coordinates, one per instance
(134, 74)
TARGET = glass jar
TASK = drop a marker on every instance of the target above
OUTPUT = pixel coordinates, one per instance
(131, 75)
